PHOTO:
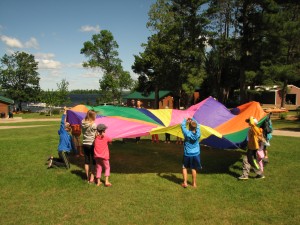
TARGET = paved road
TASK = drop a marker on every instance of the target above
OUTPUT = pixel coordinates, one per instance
(16, 120)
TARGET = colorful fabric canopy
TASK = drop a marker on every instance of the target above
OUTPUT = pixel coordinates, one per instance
(220, 127)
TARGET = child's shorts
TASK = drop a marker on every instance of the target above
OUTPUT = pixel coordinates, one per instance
(89, 154)
(192, 162)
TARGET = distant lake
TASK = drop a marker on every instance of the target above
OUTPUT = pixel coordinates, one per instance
(84, 99)
(76, 99)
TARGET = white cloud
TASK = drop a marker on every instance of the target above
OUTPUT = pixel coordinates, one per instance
(48, 64)
(88, 28)
(16, 43)
(55, 73)
(46, 61)
(32, 43)
(11, 42)
(10, 51)
(133, 75)
(75, 65)
(91, 75)
(40, 55)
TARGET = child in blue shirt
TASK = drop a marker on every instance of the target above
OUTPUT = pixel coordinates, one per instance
(65, 145)
(191, 156)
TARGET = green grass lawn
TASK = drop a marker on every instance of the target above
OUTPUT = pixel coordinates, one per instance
(293, 125)
(37, 116)
(146, 185)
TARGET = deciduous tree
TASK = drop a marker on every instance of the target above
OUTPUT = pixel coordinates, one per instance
(102, 53)
(174, 54)
(19, 78)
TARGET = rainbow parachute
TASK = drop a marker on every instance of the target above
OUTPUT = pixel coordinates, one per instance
(220, 127)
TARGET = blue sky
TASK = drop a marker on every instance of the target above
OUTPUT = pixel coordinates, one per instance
(54, 32)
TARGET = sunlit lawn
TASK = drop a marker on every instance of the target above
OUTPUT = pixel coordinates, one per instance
(36, 115)
(146, 185)
(292, 125)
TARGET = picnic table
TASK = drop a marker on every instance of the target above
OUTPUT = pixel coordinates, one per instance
(276, 111)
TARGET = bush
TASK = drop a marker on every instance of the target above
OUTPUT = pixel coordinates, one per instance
(55, 111)
(42, 113)
(282, 116)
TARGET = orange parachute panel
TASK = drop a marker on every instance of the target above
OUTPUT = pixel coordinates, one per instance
(238, 123)
(80, 108)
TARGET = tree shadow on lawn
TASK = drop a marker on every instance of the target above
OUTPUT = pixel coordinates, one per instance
(295, 129)
(163, 159)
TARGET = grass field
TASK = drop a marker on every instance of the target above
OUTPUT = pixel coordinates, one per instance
(36, 116)
(146, 185)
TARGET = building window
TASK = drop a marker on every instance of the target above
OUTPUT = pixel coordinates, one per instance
(290, 99)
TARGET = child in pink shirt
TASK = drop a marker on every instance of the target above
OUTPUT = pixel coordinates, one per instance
(101, 154)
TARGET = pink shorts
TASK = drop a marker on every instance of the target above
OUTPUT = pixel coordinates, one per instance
(102, 164)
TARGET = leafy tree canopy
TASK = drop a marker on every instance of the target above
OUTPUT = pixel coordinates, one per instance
(102, 53)
(19, 77)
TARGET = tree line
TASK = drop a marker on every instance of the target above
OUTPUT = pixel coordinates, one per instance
(220, 47)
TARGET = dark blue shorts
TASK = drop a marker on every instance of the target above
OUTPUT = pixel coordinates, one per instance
(192, 162)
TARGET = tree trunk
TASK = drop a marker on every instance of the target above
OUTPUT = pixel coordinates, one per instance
(243, 60)
(283, 94)
(189, 101)
(20, 106)
(224, 97)
(156, 100)
(242, 85)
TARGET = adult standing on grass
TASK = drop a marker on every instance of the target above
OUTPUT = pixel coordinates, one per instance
(191, 156)
(250, 159)
(65, 145)
(89, 131)
(101, 152)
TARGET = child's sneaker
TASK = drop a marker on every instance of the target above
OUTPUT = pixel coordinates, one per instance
(265, 160)
(260, 176)
(50, 163)
(243, 177)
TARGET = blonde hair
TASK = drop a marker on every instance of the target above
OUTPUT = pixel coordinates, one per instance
(90, 116)
(68, 127)
(192, 125)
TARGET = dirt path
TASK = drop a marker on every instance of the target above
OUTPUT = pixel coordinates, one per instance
(286, 133)
(19, 119)
(16, 120)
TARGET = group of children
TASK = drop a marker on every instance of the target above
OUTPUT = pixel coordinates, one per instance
(95, 147)
(96, 151)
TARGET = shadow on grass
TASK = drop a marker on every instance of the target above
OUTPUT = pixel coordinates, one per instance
(162, 159)
(288, 125)
(296, 129)
(217, 161)
(79, 173)
(171, 177)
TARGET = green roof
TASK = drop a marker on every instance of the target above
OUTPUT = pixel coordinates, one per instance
(151, 95)
(6, 100)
